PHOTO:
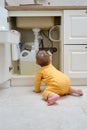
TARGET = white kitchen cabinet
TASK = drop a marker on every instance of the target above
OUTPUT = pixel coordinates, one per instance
(27, 36)
(75, 46)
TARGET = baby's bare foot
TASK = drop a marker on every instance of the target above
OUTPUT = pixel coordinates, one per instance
(79, 92)
(52, 98)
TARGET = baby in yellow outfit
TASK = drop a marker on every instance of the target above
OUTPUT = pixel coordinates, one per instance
(56, 82)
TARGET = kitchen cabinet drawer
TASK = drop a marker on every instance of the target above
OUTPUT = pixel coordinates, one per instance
(75, 61)
(75, 27)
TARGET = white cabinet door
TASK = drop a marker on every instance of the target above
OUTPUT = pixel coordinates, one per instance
(75, 61)
(75, 27)
(5, 62)
(5, 51)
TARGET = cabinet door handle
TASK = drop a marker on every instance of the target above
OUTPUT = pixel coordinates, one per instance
(86, 12)
(85, 47)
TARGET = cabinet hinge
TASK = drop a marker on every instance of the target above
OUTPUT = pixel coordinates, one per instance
(10, 68)
(8, 19)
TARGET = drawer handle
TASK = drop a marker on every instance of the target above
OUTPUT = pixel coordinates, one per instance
(85, 47)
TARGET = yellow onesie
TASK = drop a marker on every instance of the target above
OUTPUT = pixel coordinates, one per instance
(55, 81)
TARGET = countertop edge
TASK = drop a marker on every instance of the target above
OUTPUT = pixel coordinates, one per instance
(40, 7)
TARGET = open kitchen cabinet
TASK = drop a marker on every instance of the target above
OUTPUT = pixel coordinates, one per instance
(19, 21)
(7, 38)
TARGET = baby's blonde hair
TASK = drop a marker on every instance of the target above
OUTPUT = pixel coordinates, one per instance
(42, 58)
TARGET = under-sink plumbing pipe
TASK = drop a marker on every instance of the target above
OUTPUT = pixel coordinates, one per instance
(36, 42)
(50, 33)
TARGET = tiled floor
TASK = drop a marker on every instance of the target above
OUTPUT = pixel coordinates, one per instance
(22, 109)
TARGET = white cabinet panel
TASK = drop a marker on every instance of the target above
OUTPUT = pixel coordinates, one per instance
(75, 27)
(7, 38)
(4, 25)
(5, 62)
(78, 27)
(75, 61)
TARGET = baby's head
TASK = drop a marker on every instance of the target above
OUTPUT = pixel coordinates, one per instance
(42, 58)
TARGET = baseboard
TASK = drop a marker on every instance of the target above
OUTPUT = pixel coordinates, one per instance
(78, 81)
(22, 81)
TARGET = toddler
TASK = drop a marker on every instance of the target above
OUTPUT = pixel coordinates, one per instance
(56, 82)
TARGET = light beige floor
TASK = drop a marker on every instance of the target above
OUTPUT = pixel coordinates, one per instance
(22, 109)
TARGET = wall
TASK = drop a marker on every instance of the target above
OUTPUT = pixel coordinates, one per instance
(68, 2)
(1, 3)
(45, 2)
(63, 2)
